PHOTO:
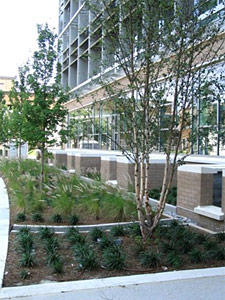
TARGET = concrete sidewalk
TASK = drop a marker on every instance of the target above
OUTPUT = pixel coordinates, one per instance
(4, 227)
(205, 284)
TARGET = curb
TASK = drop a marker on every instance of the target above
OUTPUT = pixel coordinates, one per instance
(4, 228)
(81, 228)
(123, 281)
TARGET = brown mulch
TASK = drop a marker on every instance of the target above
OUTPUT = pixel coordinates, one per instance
(41, 272)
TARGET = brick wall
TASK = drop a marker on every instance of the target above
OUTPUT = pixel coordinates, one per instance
(194, 189)
(125, 175)
(108, 169)
(87, 164)
(60, 160)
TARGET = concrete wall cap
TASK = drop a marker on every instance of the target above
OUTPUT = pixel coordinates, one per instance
(109, 158)
(210, 211)
(124, 160)
(57, 151)
(88, 155)
(201, 169)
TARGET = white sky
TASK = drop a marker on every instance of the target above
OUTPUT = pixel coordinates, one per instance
(18, 30)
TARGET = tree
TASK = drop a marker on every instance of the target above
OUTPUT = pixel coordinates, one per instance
(164, 51)
(45, 112)
(4, 121)
(18, 96)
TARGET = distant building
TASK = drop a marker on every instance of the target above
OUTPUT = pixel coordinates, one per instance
(6, 84)
(84, 48)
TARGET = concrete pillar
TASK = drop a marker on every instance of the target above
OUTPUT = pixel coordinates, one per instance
(71, 161)
(108, 168)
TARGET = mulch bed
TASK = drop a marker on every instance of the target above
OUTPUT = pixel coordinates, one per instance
(41, 273)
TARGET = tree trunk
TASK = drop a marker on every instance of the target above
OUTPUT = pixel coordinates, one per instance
(42, 166)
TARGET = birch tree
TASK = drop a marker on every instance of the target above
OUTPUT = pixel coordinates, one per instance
(162, 52)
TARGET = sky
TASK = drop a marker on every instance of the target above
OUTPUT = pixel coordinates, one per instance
(18, 30)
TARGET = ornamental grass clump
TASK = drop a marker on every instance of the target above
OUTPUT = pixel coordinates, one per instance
(197, 256)
(149, 259)
(220, 237)
(96, 233)
(118, 231)
(37, 217)
(57, 218)
(74, 236)
(73, 220)
(105, 242)
(45, 233)
(20, 217)
(85, 256)
(113, 258)
(51, 246)
(25, 244)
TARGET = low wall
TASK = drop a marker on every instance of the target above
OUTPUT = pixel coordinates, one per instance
(195, 189)
(108, 168)
(87, 163)
(125, 174)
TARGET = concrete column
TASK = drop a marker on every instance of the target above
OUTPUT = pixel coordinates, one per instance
(223, 192)
(125, 174)
(108, 168)
(71, 161)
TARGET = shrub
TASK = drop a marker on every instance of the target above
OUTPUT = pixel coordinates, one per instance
(24, 274)
(196, 256)
(46, 233)
(57, 267)
(96, 233)
(26, 260)
(139, 245)
(25, 242)
(117, 231)
(210, 245)
(51, 244)
(220, 236)
(149, 259)
(217, 253)
(73, 220)
(57, 218)
(113, 258)
(134, 230)
(75, 237)
(85, 256)
(52, 258)
(37, 217)
(20, 217)
(105, 242)
(71, 231)
(173, 260)
(117, 208)
(167, 246)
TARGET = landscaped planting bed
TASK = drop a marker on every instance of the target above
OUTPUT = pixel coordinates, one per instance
(64, 199)
(46, 256)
